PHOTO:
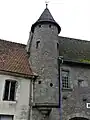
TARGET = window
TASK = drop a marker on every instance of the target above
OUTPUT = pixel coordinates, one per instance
(50, 26)
(65, 79)
(37, 43)
(6, 117)
(57, 49)
(39, 82)
(39, 26)
(9, 92)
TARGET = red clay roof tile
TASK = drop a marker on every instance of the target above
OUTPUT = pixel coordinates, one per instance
(14, 58)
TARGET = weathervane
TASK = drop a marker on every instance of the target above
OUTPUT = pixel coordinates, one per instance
(46, 2)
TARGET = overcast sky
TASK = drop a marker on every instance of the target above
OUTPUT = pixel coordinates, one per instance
(17, 16)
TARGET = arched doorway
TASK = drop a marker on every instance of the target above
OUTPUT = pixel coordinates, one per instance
(79, 118)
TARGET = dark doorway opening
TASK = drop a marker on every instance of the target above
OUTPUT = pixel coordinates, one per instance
(79, 118)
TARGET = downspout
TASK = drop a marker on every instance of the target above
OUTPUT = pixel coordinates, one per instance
(60, 62)
(30, 100)
(34, 77)
(31, 96)
(31, 82)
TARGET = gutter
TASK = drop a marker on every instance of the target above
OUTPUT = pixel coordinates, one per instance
(27, 76)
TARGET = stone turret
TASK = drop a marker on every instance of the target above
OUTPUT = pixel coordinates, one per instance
(43, 58)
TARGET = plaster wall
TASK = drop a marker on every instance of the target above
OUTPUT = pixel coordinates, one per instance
(19, 107)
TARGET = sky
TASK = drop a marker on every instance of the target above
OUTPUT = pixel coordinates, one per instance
(17, 17)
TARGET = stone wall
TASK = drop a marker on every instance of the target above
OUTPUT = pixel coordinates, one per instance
(74, 105)
(77, 96)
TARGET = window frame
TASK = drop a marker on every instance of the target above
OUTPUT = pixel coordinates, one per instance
(64, 70)
(9, 98)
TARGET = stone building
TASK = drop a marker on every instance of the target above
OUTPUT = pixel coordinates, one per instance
(34, 77)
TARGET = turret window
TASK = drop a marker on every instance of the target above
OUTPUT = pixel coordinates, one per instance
(39, 26)
(37, 44)
(50, 26)
(57, 46)
(57, 49)
(39, 82)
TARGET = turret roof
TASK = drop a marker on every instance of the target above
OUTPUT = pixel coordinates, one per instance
(46, 17)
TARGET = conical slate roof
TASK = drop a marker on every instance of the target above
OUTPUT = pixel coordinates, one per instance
(46, 17)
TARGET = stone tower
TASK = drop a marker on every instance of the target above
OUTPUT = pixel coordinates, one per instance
(43, 48)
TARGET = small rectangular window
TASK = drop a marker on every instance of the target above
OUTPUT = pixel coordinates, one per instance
(57, 49)
(9, 92)
(65, 79)
(37, 44)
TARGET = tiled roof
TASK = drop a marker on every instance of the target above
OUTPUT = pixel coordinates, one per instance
(13, 58)
(46, 17)
(74, 49)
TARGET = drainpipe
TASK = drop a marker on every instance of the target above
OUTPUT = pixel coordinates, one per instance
(31, 98)
(60, 62)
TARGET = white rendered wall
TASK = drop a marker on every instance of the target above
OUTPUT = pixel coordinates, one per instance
(18, 108)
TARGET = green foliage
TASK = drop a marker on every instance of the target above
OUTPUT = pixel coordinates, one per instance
(85, 61)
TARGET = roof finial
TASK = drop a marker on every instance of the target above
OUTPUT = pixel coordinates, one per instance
(46, 3)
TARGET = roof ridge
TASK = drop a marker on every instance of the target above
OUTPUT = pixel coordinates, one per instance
(74, 39)
(12, 42)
